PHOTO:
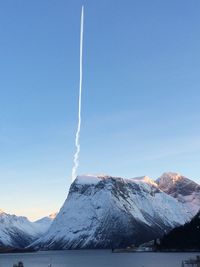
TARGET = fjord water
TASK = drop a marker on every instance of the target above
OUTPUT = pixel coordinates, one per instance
(97, 258)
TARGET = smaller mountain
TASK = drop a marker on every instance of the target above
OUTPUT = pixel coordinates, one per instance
(182, 188)
(186, 237)
(19, 232)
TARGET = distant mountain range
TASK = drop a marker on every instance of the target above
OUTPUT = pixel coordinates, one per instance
(19, 232)
(111, 212)
(108, 212)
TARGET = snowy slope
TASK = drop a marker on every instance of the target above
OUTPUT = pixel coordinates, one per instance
(18, 231)
(43, 224)
(105, 212)
(183, 189)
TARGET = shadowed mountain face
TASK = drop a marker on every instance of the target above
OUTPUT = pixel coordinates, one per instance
(183, 189)
(186, 237)
(110, 212)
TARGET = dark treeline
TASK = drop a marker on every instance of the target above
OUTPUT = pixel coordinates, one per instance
(14, 250)
(186, 237)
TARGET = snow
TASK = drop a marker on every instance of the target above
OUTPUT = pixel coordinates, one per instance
(168, 178)
(183, 189)
(95, 179)
(53, 215)
(12, 225)
(109, 204)
(87, 210)
(1, 211)
(42, 225)
(146, 180)
(87, 179)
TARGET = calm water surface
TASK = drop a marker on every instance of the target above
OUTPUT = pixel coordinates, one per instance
(95, 258)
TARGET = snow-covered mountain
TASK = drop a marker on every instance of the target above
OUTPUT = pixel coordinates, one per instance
(183, 189)
(19, 232)
(105, 212)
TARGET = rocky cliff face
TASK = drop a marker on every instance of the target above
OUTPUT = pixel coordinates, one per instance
(110, 212)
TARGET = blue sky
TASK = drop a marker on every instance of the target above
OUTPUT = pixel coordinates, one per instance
(141, 94)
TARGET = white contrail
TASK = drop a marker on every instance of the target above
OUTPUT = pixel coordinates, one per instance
(77, 141)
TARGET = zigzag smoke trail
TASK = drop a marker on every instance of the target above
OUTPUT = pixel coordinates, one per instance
(77, 140)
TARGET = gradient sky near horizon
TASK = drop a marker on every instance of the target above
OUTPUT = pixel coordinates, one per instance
(141, 94)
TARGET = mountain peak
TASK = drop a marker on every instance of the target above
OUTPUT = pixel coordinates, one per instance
(182, 188)
(171, 176)
(146, 179)
(170, 180)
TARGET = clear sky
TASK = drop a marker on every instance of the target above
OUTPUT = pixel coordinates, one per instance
(141, 94)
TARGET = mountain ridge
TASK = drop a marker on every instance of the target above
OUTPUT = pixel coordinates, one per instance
(18, 231)
(104, 212)
(100, 210)
(182, 188)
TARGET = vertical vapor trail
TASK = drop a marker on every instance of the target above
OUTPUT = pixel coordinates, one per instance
(77, 141)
